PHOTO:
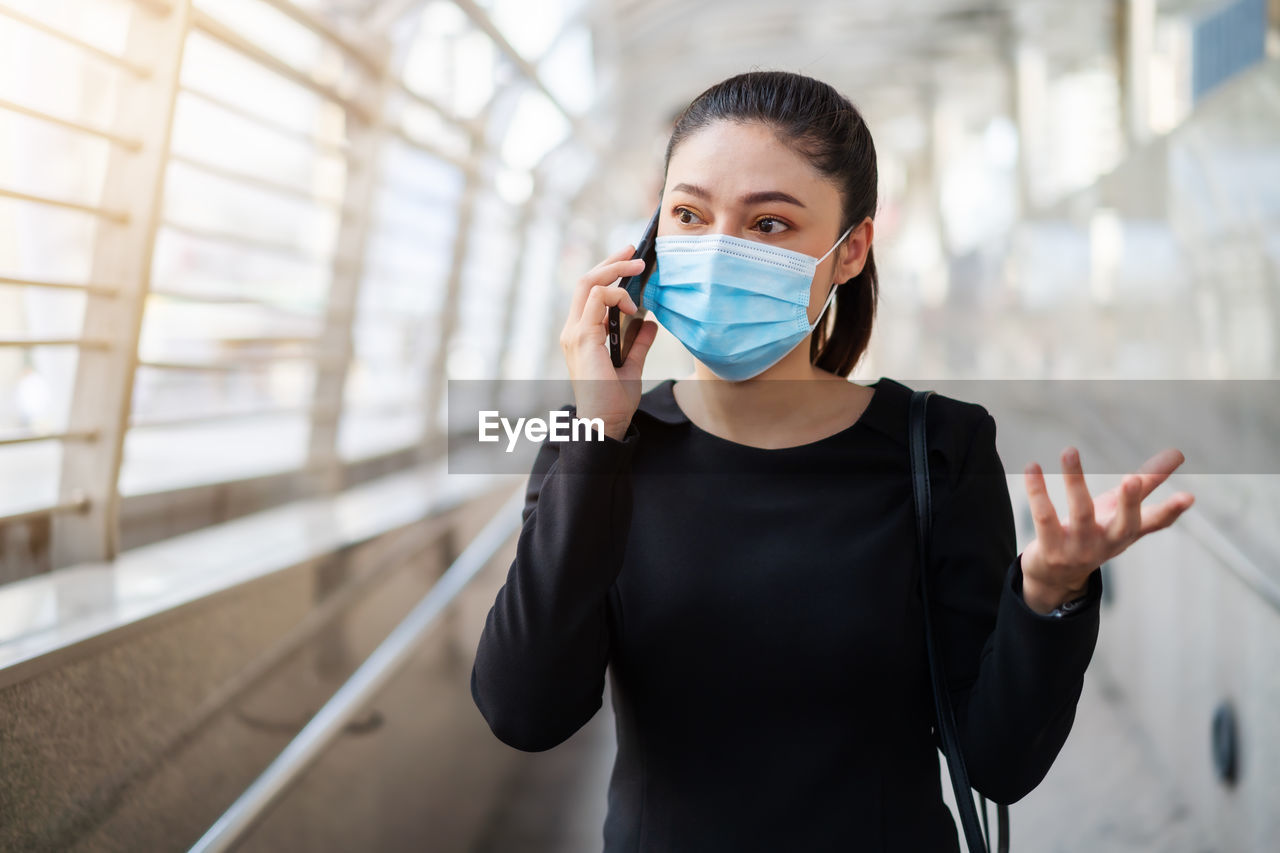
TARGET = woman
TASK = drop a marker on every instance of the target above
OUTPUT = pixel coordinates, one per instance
(740, 550)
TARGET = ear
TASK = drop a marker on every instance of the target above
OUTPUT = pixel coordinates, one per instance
(851, 256)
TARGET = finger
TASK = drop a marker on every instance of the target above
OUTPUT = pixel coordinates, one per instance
(1079, 503)
(595, 313)
(604, 274)
(1124, 525)
(1045, 517)
(1158, 518)
(1158, 468)
(626, 252)
(581, 287)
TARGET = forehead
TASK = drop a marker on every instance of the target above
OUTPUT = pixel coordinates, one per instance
(733, 158)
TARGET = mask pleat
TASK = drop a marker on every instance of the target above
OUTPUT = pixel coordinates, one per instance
(737, 305)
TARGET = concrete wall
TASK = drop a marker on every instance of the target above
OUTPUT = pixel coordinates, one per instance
(1180, 634)
(143, 740)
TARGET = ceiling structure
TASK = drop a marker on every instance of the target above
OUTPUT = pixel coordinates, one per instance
(894, 60)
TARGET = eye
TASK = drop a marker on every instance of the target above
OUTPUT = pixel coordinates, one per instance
(771, 225)
(686, 216)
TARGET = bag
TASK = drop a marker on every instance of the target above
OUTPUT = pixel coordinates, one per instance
(974, 836)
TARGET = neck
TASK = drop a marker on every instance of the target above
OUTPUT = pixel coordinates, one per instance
(761, 398)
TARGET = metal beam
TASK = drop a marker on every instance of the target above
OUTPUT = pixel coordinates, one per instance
(481, 19)
(103, 388)
(367, 143)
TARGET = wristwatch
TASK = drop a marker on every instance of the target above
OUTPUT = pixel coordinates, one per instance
(1068, 607)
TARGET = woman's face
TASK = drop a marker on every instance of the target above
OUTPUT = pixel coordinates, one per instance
(742, 180)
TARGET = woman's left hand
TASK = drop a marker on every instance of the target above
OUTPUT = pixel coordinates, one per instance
(1056, 565)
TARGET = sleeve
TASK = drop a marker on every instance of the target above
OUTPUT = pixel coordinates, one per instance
(538, 674)
(1015, 676)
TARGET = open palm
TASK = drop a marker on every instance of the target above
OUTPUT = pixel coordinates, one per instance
(1056, 565)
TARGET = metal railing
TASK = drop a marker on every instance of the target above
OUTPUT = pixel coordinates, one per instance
(28, 437)
(119, 216)
(104, 56)
(95, 289)
(83, 343)
(333, 146)
(256, 181)
(217, 30)
(364, 70)
(200, 418)
(246, 242)
(371, 676)
(1200, 526)
(71, 124)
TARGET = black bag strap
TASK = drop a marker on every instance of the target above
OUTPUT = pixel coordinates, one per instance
(977, 839)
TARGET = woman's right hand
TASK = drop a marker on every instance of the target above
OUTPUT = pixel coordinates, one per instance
(601, 390)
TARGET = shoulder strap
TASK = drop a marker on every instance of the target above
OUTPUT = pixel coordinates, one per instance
(976, 839)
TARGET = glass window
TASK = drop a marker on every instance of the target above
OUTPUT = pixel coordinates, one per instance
(535, 323)
(406, 268)
(486, 289)
(46, 258)
(243, 262)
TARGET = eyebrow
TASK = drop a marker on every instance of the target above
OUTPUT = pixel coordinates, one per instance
(750, 198)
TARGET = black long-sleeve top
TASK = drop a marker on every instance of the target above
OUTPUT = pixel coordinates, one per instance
(760, 615)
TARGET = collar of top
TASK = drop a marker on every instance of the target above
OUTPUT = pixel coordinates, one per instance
(887, 412)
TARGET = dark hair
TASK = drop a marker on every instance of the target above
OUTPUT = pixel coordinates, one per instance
(827, 129)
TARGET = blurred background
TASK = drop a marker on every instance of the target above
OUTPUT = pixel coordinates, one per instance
(246, 244)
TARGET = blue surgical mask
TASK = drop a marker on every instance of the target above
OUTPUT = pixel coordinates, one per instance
(737, 305)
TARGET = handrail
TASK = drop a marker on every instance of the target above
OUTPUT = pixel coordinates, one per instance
(276, 247)
(70, 124)
(255, 181)
(96, 289)
(240, 363)
(1204, 529)
(232, 415)
(217, 30)
(27, 437)
(139, 71)
(384, 407)
(371, 676)
(232, 298)
(119, 216)
(1215, 540)
(336, 147)
(78, 503)
(83, 343)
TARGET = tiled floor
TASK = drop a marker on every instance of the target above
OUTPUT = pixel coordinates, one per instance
(1105, 794)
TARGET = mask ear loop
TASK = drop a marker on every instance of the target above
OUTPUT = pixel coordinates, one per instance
(832, 293)
(837, 244)
(825, 306)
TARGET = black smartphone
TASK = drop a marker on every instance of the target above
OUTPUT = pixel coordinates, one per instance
(624, 327)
